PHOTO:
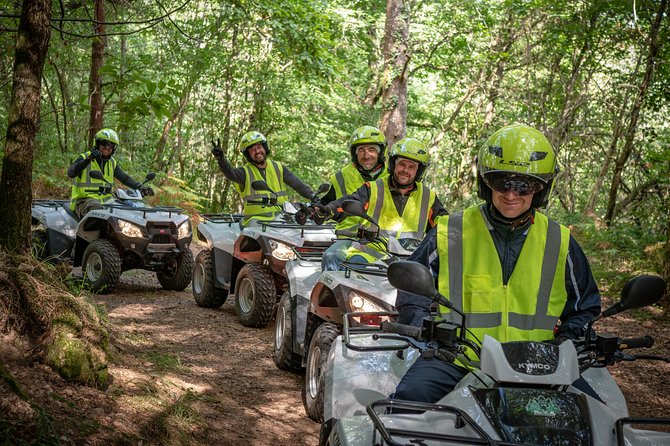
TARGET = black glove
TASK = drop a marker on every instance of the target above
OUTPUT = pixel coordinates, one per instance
(321, 213)
(216, 148)
(146, 191)
(300, 217)
(95, 154)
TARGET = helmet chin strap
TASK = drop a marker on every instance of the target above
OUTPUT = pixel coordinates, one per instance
(513, 223)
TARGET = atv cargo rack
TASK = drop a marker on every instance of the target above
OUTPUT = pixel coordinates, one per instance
(223, 218)
(144, 210)
(289, 225)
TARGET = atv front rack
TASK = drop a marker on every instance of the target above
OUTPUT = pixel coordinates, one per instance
(621, 422)
(289, 225)
(462, 419)
(169, 209)
(223, 218)
(50, 202)
(374, 269)
(351, 326)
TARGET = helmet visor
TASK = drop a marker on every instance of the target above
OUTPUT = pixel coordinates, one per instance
(108, 144)
(521, 184)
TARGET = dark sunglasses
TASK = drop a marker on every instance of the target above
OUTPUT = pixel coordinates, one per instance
(521, 184)
(108, 144)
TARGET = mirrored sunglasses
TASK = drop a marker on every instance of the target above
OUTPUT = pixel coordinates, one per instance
(521, 184)
(111, 145)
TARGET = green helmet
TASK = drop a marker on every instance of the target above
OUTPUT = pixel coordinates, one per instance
(518, 149)
(251, 139)
(108, 135)
(367, 134)
(412, 149)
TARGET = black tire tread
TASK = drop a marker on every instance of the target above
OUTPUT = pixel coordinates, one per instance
(211, 296)
(112, 266)
(182, 276)
(285, 358)
(324, 335)
(265, 295)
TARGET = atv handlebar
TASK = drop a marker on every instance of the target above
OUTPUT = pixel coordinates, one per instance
(401, 329)
(641, 342)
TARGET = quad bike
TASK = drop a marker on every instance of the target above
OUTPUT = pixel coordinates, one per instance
(518, 393)
(310, 313)
(250, 261)
(125, 234)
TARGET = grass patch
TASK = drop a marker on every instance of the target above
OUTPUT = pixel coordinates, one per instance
(165, 362)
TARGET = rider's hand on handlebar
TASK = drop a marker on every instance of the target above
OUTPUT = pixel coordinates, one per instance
(146, 191)
(216, 148)
(321, 213)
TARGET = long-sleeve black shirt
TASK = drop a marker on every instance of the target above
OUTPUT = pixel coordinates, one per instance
(239, 175)
(81, 163)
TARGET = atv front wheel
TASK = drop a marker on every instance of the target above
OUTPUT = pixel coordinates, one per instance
(255, 295)
(284, 356)
(101, 266)
(178, 274)
(205, 293)
(315, 379)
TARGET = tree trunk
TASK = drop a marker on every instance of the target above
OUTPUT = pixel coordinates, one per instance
(396, 60)
(162, 163)
(24, 111)
(654, 46)
(65, 100)
(95, 78)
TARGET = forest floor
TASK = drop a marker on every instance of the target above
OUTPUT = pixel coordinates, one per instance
(184, 375)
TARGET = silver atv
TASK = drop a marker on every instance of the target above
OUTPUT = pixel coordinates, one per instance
(250, 262)
(311, 312)
(125, 234)
(519, 393)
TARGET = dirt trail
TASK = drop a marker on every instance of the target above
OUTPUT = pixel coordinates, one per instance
(184, 375)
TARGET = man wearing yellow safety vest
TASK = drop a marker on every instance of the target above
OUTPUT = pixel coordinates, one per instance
(400, 203)
(514, 273)
(89, 193)
(254, 147)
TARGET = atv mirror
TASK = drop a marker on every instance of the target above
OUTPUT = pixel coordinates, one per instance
(150, 176)
(356, 208)
(412, 277)
(639, 292)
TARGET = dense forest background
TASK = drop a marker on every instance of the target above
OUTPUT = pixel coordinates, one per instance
(170, 76)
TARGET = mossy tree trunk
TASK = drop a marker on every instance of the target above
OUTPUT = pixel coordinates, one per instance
(32, 44)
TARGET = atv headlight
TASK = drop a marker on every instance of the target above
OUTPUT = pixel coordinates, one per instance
(130, 229)
(184, 229)
(362, 304)
(281, 251)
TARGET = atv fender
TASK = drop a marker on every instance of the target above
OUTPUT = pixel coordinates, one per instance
(356, 379)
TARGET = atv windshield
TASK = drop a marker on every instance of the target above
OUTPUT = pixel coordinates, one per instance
(537, 416)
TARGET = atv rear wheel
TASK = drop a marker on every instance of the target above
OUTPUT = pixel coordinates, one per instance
(177, 275)
(255, 295)
(284, 356)
(205, 293)
(101, 266)
(315, 379)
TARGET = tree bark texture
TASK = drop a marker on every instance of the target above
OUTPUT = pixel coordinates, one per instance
(15, 185)
(654, 46)
(395, 49)
(95, 78)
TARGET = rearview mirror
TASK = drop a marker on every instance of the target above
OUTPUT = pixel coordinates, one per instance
(412, 277)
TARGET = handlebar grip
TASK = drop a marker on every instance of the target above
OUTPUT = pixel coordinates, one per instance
(401, 329)
(642, 342)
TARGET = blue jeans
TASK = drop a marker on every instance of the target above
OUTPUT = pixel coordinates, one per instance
(428, 380)
(335, 255)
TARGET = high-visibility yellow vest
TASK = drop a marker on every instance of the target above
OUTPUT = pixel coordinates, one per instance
(345, 182)
(471, 277)
(84, 186)
(382, 209)
(414, 219)
(274, 177)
